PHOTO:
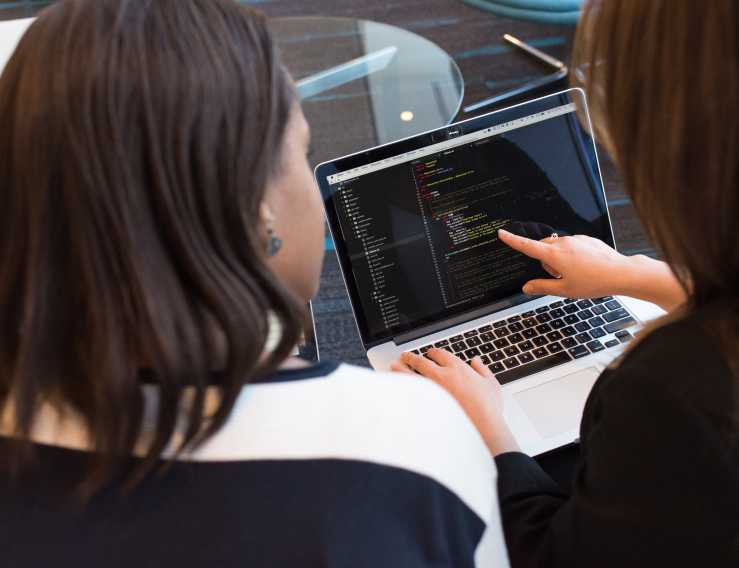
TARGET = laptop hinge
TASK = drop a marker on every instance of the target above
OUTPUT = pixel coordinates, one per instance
(429, 329)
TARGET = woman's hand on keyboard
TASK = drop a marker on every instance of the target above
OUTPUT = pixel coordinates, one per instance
(582, 267)
(473, 386)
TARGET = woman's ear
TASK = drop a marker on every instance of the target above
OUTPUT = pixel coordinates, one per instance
(267, 220)
(265, 214)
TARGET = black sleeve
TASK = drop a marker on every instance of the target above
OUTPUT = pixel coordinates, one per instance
(651, 488)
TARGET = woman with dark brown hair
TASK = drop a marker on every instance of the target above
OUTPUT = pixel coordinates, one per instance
(657, 483)
(160, 235)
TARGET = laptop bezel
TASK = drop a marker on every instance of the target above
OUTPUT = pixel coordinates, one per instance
(383, 151)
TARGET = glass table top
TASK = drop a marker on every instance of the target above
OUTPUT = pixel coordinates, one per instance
(363, 83)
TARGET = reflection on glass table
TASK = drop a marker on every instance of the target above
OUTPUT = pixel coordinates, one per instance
(364, 83)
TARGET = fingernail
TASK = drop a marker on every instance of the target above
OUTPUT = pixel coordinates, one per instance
(503, 232)
(528, 289)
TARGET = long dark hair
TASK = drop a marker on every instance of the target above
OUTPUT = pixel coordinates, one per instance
(138, 138)
(662, 82)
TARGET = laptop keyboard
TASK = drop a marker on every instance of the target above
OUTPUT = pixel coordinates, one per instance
(543, 338)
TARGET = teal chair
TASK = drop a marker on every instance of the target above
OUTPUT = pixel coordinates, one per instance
(544, 11)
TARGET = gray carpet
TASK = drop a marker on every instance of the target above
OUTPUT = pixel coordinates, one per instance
(473, 38)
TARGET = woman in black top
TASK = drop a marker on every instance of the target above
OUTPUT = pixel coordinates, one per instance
(657, 483)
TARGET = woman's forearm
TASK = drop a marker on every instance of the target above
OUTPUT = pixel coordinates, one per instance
(653, 281)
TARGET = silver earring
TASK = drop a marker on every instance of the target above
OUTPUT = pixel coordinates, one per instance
(274, 243)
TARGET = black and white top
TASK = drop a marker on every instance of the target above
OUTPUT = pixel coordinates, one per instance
(328, 466)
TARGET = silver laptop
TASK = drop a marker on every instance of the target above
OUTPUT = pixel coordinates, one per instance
(415, 227)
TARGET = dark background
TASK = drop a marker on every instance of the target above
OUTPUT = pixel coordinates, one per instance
(473, 38)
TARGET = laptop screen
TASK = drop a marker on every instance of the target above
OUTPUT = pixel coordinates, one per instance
(416, 227)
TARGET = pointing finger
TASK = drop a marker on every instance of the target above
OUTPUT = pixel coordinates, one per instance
(529, 247)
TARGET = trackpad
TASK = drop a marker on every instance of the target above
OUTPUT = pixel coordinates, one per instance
(556, 407)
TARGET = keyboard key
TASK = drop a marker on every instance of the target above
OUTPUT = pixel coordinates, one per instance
(485, 328)
(543, 318)
(623, 336)
(579, 351)
(534, 367)
(502, 332)
(528, 333)
(542, 309)
(596, 321)
(557, 324)
(583, 337)
(540, 352)
(458, 347)
(526, 345)
(616, 315)
(602, 300)
(595, 346)
(571, 309)
(568, 331)
(511, 351)
(569, 342)
(496, 367)
(416, 351)
(598, 310)
(487, 336)
(582, 304)
(612, 343)
(500, 343)
(558, 313)
(513, 319)
(585, 315)
(510, 363)
(525, 357)
(485, 360)
(613, 305)
(456, 338)
(474, 352)
(570, 300)
(515, 338)
(597, 333)
(425, 348)
(515, 327)
(471, 333)
(540, 340)
(582, 326)
(498, 324)
(473, 342)
(556, 304)
(529, 322)
(528, 314)
(619, 325)
(572, 318)
(497, 356)
(544, 328)
(555, 347)
(554, 336)
(486, 348)
(442, 343)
